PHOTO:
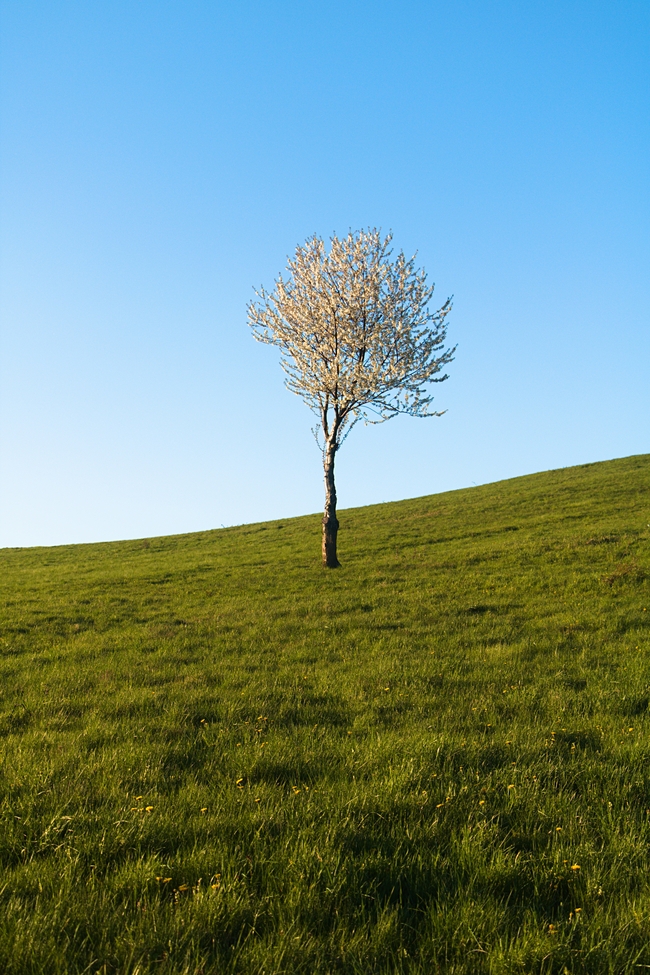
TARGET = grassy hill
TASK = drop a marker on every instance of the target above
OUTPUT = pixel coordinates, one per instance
(218, 757)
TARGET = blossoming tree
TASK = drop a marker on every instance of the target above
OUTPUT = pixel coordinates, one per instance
(358, 341)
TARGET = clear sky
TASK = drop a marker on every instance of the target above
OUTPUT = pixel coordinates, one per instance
(159, 159)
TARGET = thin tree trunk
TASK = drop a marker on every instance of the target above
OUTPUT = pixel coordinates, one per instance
(330, 521)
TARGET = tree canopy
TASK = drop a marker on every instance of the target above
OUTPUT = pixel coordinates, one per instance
(357, 337)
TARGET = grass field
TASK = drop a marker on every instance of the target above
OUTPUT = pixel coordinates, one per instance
(219, 758)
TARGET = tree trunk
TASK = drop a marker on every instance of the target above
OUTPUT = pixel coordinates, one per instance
(330, 521)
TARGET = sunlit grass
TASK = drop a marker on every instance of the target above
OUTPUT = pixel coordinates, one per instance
(218, 757)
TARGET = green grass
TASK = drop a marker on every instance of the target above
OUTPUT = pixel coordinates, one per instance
(218, 757)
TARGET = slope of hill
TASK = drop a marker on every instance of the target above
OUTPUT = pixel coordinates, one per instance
(218, 757)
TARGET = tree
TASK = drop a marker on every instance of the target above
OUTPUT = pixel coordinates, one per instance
(358, 341)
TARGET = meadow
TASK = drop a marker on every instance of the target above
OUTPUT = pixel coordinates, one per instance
(218, 757)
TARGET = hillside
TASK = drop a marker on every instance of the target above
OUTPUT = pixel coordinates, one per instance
(218, 757)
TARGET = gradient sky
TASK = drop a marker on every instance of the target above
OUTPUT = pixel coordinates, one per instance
(159, 159)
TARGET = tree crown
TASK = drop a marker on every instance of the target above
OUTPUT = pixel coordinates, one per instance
(356, 335)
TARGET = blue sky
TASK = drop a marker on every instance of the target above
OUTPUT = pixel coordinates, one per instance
(161, 159)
